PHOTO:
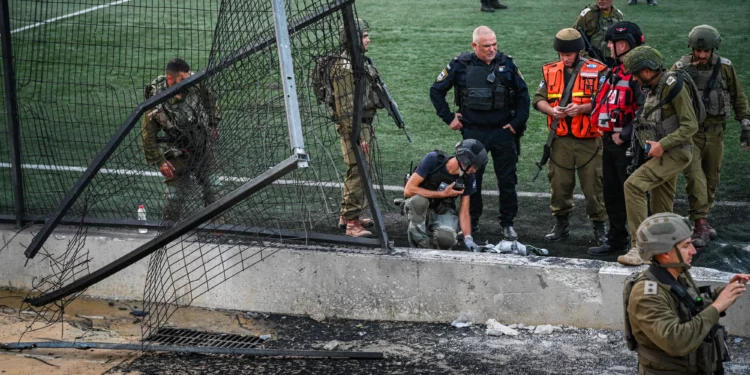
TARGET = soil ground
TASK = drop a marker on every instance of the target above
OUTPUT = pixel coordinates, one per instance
(409, 348)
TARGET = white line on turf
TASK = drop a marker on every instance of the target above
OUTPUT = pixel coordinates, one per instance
(129, 172)
(78, 13)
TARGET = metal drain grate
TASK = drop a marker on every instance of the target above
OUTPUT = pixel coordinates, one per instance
(189, 337)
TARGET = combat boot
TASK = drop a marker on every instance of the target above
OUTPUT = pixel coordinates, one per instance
(600, 232)
(653, 3)
(364, 222)
(712, 235)
(560, 230)
(496, 4)
(701, 234)
(604, 249)
(487, 8)
(632, 258)
(354, 229)
(509, 233)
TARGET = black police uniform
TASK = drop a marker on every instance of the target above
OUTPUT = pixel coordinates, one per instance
(488, 96)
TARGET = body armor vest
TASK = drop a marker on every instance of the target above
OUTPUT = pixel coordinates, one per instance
(438, 177)
(615, 102)
(187, 128)
(704, 360)
(603, 24)
(654, 127)
(585, 86)
(485, 90)
(719, 103)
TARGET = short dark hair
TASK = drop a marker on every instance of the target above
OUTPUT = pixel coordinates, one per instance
(178, 65)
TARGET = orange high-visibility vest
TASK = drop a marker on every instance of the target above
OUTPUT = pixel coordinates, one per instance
(585, 87)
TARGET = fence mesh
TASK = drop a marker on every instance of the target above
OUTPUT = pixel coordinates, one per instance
(207, 140)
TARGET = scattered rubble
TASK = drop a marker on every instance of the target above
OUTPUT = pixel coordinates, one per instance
(494, 328)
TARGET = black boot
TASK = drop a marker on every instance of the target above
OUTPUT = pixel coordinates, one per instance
(487, 8)
(605, 249)
(496, 4)
(561, 229)
(653, 3)
(600, 233)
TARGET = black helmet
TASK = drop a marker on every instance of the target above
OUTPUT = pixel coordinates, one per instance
(471, 153)
(627, 31)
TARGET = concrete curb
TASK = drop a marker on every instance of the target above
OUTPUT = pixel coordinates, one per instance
(409, 285)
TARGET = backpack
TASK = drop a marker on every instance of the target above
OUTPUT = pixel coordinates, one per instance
(322, 82)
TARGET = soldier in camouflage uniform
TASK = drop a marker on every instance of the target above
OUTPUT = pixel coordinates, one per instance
(665, 127)
(595, 20)
(342, 77)
(189, 123)
(670, 322)
(722, 91)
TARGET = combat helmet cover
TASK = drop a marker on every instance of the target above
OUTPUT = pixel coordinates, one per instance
(471, 152)
(362, 27)
(704, 37)
(569, 40)
(643, 57)
(659, 233)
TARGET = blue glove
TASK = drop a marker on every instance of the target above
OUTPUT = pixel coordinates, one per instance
(469, 242)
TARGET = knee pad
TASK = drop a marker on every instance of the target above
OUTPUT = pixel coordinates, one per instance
(445, 238)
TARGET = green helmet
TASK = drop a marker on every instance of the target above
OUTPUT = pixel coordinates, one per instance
(659, 233)
(362, 26)
(643, 57)
(704, 37)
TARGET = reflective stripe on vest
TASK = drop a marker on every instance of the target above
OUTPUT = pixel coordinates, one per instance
(615, 105)
(584, 88)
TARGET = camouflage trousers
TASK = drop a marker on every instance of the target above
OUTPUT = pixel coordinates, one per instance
(429, 229)
(702, 175)
(658, 176)
(354, 199)
(179, 191)
(568, 156)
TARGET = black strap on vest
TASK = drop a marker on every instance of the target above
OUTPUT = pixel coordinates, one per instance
(672, 94)
(664, 277)
(711, 82)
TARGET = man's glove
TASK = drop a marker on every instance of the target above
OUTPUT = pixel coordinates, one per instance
(167, 170)
(745, 133)
(469, 242)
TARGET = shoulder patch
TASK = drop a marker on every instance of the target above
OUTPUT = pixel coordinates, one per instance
(671, 80)
(442, 76)
(541, 84)
(585, 10)
(650, 288)
(725, 61)
(448, 67)
(679, 64)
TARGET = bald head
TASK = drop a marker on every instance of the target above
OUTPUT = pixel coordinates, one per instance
(484, 44)
(480, 32)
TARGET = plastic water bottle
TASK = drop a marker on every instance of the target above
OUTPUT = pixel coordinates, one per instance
(142, 216)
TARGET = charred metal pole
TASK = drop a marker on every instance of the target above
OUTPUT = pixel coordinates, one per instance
(353, 38)
(12, 114)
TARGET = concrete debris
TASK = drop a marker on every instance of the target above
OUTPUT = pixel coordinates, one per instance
(252, 315)
(265, 337)
(462, 321)
(738, 340)
(90, 317)
(513, 247)
(546, 329)
(362, 333)
(440, 356)
(528, 328)
(495, 328)
(318, 317)
(333, 345)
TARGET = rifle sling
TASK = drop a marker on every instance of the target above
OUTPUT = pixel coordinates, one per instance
(567, 93)
(711, 81)
(672, 94)
(677, 289)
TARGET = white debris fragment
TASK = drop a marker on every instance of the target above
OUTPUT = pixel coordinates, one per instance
(495, 328)
(265, 337)
(546, 329)
(462, 321)
(333, 345)
(513, 247)
(318, 317)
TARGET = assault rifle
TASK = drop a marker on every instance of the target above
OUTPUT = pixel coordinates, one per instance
(635, 151)
(381, 90)
(589, 48)
(556, 122)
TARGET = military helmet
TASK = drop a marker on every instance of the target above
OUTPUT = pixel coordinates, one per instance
(471, 152)
(659, 233)
(627, 31)
(643, 57)
(569, 40)
(704, 37)
(362, 26)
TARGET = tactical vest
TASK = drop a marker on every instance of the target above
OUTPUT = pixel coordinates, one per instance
(439, 176)
(485, 89)
(719, 101)
(603, 24)
(703, 360)
(654, 127)
(585, 86)
(188, 117)
(615, 102)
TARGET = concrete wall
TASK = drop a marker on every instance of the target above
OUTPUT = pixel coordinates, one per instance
(412, 285)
